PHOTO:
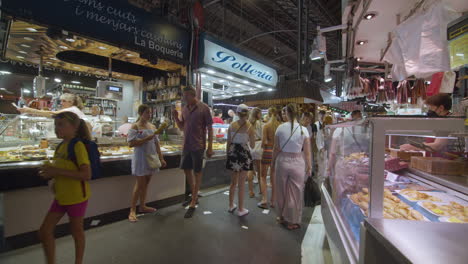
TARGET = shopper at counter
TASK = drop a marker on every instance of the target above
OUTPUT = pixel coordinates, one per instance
(71, 187)
(291, 139)
(256, 122)
(196, 121)
(70, 103)
(125, 127)
(218, 117)
(146, 146)
(268, 141)
(97, 121)
(439, 106)
(241, 137)
(356, 115)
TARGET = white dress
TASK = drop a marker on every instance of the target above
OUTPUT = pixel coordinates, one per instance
(140, 166)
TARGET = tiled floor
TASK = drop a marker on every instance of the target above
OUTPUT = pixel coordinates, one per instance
(219, 237)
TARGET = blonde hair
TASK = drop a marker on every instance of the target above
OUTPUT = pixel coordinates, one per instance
(75, 99)
(275, 117)
(254, 116)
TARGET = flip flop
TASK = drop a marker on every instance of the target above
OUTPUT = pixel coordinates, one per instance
(132, 218)
(262, 205)
(243, 213)
(149, 210)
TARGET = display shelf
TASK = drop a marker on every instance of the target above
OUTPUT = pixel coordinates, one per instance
(456, 183)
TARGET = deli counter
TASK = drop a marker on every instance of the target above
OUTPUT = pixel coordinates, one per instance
(27, 142)
(382, 178)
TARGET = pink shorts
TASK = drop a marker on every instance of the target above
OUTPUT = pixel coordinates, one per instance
(73, 210)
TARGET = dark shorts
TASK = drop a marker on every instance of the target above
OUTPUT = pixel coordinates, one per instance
(192, 160)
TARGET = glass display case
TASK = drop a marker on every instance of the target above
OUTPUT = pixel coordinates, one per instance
(28, 139)
(393, 168)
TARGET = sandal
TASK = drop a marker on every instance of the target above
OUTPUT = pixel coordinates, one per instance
(148, 210)
(280, 221)
(132, 218)
(293, 227)
(252, 195)
(262, 205)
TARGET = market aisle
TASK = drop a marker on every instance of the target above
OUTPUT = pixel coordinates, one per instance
(168, 238)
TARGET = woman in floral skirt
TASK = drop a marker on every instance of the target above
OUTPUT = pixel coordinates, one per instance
(241, 136)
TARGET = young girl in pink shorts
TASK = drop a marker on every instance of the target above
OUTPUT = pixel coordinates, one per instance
(71, 185)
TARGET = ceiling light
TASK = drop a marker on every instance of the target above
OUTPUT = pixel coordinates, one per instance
(359, 58)
(23, 52)
(26, 91)
(103, 48)
(129, 55)
(203, 76)
(230, 77)
(2, 89)
(211, 72)
(221, 81)
(76, 67)
(49, 62)
(70, 39)
(246, 82)
(5, 72)
(20, 57)
(370, 15)
(316, 58)
(57, 80)
(28, 38)
(238, 85)
(270, 90)
(361, 42)
(53, 58)
(31, 29)
(50, 94)
(63, 47)
(328, 79)
(259, 86)
(24, 45)
(75, 82)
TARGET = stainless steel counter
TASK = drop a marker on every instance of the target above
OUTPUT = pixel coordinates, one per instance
(421, 242)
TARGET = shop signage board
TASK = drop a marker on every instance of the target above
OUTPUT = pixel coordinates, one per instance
(113, 21)
(222, 58)
(457, 35)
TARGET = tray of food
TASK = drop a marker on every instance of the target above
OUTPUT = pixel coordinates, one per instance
(394, 208)
(452, 212)
(414, 195)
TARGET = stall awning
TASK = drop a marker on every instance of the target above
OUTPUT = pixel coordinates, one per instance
(296, 91)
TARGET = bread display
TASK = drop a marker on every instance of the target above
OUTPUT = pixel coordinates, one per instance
(394, 208)
(453, 211)
(418, 196)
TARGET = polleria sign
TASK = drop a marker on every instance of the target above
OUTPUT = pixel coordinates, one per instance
(228, 60)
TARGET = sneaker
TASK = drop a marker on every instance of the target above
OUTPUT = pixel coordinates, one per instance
(190, 212)
(231, 210)
(243, 212)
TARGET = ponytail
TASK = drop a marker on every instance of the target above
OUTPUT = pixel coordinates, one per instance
(83, 130)
(291, 111)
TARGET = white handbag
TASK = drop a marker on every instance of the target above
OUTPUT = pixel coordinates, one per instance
(153, 161)
(448, 82)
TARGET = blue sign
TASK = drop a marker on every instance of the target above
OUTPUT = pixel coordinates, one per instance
(222, 58)
(112, 21)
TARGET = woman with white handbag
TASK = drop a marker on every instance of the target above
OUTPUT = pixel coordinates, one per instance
(146, 161)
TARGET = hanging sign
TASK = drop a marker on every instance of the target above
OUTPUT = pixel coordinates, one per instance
(112, 21)
(230, 61)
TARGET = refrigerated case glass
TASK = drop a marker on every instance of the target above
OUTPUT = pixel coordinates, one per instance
(390, 168)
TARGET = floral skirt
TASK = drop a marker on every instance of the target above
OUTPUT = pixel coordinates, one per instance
(239, 158)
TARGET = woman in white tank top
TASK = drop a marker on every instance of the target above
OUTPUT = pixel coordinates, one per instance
(241, 137)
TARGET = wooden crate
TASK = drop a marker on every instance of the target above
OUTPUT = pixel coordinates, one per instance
(436, 165)
(405, 155)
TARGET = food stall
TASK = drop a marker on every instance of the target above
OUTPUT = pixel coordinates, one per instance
(374, 190)
(110, 70)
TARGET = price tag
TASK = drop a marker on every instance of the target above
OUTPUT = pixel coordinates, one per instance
(392, 176)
